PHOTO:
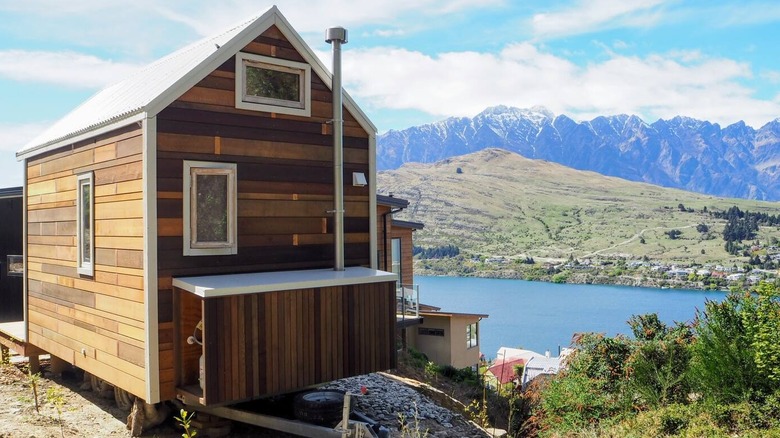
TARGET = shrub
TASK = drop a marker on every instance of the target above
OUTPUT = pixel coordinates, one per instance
(659, 364)
(723, 365)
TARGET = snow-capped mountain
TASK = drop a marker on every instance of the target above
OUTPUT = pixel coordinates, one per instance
(735, 161)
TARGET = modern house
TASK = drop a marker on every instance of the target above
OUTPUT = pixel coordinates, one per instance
(200, 197)
(447, 338)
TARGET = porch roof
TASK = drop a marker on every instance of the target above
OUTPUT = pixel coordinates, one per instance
(208, 286)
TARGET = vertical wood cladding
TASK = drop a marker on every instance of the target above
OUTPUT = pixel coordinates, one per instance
(270, 343)
(96, 323)
(285, 183)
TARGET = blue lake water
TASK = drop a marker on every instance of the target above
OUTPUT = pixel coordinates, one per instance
(543, 316)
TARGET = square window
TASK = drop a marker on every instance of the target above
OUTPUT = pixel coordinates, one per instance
(274, 85)
(209, 208)
(85, 232)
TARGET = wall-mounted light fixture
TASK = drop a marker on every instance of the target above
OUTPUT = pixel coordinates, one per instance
(359, 179)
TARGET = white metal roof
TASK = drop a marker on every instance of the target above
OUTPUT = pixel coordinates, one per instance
(150, 90)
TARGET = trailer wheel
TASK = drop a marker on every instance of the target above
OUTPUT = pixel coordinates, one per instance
(319, 407)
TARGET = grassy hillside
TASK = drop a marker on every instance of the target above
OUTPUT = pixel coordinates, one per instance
(497, 203)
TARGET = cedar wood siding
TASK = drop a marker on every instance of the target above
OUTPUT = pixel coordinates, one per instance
(95, 323)
(285, 186)
(277, 342)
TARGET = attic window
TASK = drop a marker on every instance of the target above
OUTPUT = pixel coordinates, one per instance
(273, 85)
(209, 208)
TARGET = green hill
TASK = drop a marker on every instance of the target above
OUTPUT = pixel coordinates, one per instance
(497, 203)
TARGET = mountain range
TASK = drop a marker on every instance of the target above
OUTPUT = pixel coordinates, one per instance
(735, 161)
(496, 202)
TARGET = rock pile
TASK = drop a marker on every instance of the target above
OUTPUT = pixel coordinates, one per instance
(398, 406)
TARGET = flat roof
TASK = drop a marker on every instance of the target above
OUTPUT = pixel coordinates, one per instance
(11, 192)
(437, 313)
(391, 201)
(408, 224)
(209, 286)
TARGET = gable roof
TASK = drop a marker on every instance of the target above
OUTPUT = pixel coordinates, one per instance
(150, 90)
(504, 371)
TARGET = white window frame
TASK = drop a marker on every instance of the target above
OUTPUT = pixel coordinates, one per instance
(396, 255)
(191, 247)
(84, 267)
(257, 103)
(472, 334)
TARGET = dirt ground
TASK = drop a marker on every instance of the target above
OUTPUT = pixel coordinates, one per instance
(67, 410)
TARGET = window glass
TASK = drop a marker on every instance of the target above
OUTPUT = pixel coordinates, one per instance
(85, 234)
(471, 335)
(265, 83)
(86, 222)
(212, 208)
(210, 211)
(273, 84)
(396, 258)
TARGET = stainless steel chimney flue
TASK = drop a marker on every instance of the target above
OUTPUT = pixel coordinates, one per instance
(337, 36)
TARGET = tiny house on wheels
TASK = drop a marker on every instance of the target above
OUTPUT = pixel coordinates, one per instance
(201, 196)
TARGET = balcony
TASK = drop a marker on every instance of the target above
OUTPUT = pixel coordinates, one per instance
(407, 299)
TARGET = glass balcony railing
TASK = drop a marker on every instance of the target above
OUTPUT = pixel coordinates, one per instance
(408, 300)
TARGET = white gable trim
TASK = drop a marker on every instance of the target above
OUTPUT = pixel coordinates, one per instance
(219, 57)
(85, 135)
(151, 322)
(295, 39)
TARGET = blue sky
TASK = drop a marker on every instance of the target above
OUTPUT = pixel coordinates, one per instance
(411, 62)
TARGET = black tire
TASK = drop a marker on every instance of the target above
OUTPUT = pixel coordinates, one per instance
(323, 407)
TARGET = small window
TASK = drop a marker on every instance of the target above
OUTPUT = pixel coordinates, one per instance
(273, 85)
(471, 335)
(395, 253)
(15, 266)
(85, 234)
(425, 331)
(209, 208)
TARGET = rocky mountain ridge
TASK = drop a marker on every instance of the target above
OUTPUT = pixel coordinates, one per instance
(690, 154)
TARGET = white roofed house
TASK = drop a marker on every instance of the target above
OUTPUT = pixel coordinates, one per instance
(193, 195)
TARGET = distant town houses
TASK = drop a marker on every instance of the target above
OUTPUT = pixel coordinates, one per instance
(516, 367)
(645, 271)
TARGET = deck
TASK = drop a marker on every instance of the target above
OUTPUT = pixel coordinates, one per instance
(12, 337)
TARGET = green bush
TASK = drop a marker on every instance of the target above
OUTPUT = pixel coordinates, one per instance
(732, 358)
(658, 366)
(572, 403)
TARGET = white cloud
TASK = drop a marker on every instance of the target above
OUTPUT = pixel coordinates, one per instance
(307, 16)
(12, 138)
(464, 83)
(68, 69)
(589, 15)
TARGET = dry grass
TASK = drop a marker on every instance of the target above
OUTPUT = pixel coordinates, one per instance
(503, 204)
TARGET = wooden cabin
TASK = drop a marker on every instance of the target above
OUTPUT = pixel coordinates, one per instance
(201, 189)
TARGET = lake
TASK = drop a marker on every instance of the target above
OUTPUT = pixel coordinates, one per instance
(543, 316)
